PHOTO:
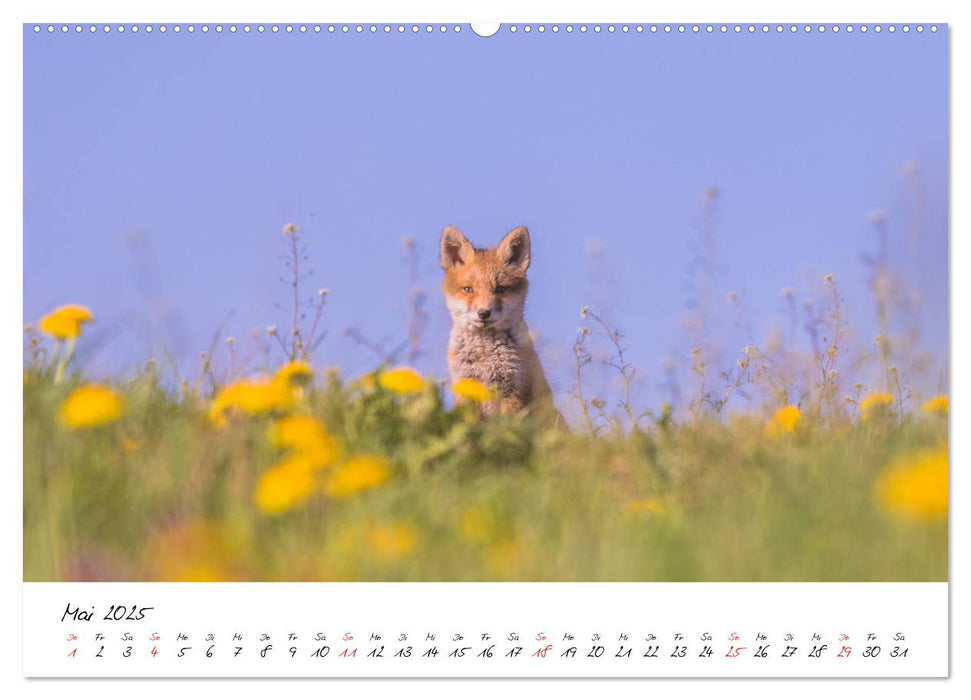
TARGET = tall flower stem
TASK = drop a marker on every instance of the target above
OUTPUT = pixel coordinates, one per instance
(65, 359)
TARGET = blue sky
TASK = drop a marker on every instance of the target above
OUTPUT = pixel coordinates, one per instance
(160, 169)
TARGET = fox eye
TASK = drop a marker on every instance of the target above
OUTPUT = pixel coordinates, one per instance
(500, 289)
(467, 290)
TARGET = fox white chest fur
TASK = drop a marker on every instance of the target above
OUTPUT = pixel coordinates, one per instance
(496, 358)
(485, 292)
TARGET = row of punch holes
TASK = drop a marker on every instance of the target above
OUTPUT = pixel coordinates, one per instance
(487, 30)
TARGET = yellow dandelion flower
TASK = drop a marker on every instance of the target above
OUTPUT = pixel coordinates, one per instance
(306, 436)
(357, 474)
(89, 406)
(391, 542)
(784, 420)
(472, 389)
(938, 405)
(285, 485)
(252, 397)
(401, 380)
(645, 506)
(477, 524)
(875, 402)
(295, 372)
(914, 487)
(64, 322)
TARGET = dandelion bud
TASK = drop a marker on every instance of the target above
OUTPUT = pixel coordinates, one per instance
(230, 340)
(584, 330)
(583, 311)
(832, 351)
(828, 279)
(597, 403)
(787, 292)
(733, 297)
(28, 328)
(323, 291)
(271, 331)
(696, 352)
(290, 230)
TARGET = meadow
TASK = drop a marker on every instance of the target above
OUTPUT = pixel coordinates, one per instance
(298, 473)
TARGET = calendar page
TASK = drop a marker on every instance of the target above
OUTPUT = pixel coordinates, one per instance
(423, 349)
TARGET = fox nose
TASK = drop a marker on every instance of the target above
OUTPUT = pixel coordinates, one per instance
(485, 313)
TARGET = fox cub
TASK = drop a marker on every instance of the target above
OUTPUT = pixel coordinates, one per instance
(485, 292)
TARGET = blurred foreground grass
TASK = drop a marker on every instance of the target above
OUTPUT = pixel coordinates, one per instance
(166, 486)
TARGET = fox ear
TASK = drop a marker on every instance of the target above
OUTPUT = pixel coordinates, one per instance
(513, 250)
(455, 248)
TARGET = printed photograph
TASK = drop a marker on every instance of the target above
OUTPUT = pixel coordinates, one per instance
(408, 303)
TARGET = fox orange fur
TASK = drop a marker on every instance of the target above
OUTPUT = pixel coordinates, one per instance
(485, 292)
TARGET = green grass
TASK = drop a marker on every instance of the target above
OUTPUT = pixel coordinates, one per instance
(163, 495)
